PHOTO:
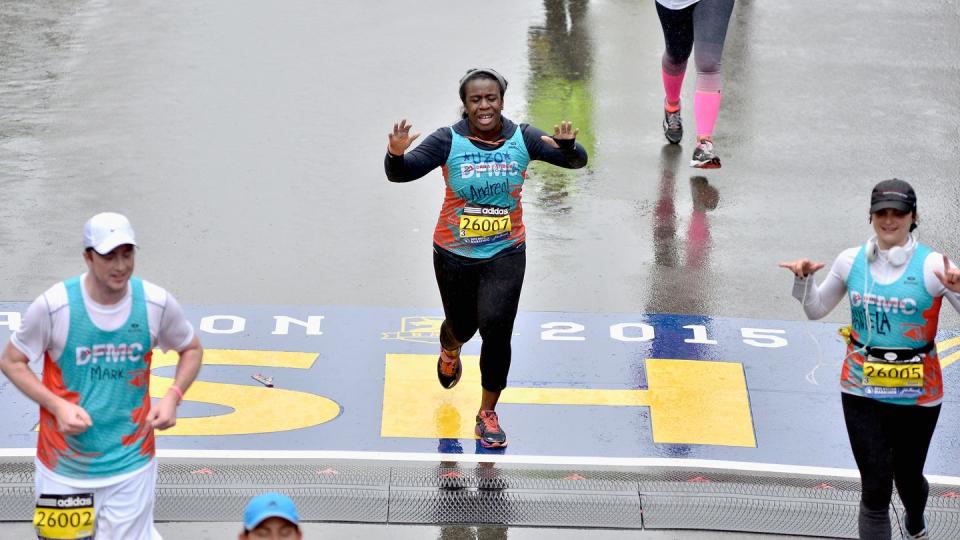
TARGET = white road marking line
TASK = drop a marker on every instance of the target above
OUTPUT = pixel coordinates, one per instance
(571, 461)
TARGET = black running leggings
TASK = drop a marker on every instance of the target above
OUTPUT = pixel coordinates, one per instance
(481, 294)
(701, 27)
(890, 444)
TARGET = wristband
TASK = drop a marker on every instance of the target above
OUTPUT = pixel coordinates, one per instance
(178, 391)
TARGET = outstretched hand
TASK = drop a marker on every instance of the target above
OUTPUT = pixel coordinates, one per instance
(401, 139)
(950, 277)
(563, 131)
(801, 267)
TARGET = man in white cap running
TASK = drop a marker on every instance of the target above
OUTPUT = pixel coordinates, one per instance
(95, 333)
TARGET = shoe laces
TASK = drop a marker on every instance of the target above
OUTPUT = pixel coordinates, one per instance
(448, 365)
(490, 421)
(447, 358)
(673, 120)
(449, 369)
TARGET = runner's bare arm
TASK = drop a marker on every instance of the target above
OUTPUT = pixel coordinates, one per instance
(72, 419)
(163, 414)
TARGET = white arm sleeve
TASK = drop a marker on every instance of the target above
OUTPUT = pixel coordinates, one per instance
(175, 332)
(33, 337)
(820, 300)
(934, 262)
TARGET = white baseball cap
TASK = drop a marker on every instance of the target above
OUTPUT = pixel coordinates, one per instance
(104, 232)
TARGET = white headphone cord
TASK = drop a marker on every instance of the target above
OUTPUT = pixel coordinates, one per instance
(867, 287)
(811, 375)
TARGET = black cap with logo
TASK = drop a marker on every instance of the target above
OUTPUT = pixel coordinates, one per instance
(893, 193)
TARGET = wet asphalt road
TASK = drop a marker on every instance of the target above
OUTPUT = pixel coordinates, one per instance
(245, 140)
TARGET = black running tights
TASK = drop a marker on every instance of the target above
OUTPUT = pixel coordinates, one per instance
(481, 295)
(890, 444)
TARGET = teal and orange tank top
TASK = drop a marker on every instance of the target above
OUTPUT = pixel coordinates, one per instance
(898, 315)
(481, 214)
(108, 374)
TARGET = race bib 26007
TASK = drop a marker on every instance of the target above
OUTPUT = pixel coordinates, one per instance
(483, 224)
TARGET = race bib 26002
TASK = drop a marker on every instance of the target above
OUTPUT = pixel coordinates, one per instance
(65, 517)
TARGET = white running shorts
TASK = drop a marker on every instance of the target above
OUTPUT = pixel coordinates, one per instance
(124, 509)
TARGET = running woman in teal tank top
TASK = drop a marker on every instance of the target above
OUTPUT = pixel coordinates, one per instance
(479, 253)
(890, 383)
(96, 467)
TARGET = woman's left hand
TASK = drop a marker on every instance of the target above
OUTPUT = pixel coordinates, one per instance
(950, 276)
(563, 131)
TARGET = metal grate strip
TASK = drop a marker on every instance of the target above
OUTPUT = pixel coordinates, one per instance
(385, 492)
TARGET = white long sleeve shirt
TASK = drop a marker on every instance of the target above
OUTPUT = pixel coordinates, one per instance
(819, 300)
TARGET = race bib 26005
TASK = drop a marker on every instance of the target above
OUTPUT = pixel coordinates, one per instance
(889, 375)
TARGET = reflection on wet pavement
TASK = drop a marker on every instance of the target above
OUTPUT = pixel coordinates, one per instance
(257, 129)
(682, 275)
(558, 89)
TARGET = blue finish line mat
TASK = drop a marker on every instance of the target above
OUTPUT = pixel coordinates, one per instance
(582, 386)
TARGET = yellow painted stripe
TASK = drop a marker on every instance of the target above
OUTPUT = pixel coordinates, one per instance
(256, 409)
(946, 345)
(575, 396)
(691, 401)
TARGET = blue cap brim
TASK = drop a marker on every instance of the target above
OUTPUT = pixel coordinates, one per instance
(267, 515)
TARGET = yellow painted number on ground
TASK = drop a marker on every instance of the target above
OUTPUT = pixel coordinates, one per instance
(256, 409)
(690, 401)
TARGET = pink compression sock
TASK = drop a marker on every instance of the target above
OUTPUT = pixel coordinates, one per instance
(706, 105)
(672, 85)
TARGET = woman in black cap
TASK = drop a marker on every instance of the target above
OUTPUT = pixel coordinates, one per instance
(478, 244)
(890, 383)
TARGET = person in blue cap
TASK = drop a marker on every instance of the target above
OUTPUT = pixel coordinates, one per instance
(270, 516)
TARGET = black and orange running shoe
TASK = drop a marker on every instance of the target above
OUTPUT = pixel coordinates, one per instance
(449, 368)
(488, 429)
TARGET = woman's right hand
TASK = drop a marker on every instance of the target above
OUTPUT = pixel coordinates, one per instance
(802, 268)
(401, 138)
